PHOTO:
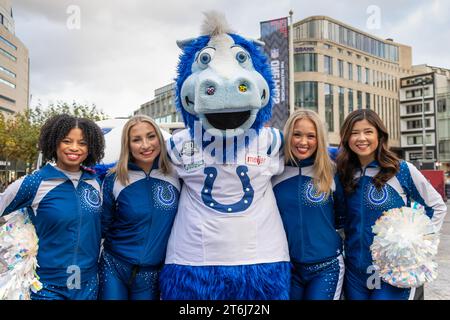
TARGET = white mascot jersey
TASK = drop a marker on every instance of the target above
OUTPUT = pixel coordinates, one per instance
(228, 214)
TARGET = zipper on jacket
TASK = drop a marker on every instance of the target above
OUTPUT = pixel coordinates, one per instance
(300, 214)
(362, 224)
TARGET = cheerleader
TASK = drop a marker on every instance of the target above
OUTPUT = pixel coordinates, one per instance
(374, 181)
(63, 202)
(311, 204)
(140, 202)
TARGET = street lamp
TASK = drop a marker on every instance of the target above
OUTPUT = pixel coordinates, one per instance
(423, 81)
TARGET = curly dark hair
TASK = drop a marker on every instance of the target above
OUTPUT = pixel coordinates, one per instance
(58, 127)
(347, 161)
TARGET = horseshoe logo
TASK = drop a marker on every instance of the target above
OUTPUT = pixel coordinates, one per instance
(92, 197)
(166, 200)
(313, 195)
(377, 197)
(243, 204)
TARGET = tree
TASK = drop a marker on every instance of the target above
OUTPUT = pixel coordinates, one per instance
(19, 135)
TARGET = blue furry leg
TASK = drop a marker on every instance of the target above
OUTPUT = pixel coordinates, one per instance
(265, 281)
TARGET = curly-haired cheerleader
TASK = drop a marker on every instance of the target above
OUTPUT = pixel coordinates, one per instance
(64, 204)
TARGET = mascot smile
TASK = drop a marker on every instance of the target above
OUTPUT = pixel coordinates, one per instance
(228, 240)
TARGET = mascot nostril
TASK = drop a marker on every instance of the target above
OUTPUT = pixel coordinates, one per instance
(228, 240)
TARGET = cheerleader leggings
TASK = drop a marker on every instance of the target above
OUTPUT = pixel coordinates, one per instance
(317, 281)
(356, 287)
(88, 291)
(120, 280)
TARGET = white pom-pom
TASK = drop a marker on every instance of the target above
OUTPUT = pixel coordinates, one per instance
(214, 24)
(404, 247)
(18, 250)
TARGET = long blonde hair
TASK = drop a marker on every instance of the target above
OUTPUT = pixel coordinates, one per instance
(323, 166)
(121, 168)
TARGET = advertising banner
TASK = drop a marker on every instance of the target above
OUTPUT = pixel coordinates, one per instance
(274, 33)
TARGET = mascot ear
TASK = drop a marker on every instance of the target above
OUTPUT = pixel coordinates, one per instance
(183, 43)
(258, 42)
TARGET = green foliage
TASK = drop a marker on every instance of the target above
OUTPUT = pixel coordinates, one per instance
(19, 134)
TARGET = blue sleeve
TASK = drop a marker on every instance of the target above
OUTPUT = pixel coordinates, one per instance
(109, 203)
(339, 204)
(19, 194)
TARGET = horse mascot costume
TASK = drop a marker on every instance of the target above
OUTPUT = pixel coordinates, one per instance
(228, 240)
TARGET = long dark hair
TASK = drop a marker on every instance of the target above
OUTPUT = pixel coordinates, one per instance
(348, 162)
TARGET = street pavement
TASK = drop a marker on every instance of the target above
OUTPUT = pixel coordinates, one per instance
(440, 288)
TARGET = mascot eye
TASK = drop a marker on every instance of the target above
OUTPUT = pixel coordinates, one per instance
(204, 58)
(241, 56)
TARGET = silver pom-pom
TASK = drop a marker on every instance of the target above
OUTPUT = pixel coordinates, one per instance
(18, 251)
(404, 247)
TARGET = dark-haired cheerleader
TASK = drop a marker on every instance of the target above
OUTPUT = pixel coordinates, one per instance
(64, 204)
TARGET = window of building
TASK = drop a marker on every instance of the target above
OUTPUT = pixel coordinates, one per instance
(350, 100)
(415, 140)
(417, 124)
(8, 55)
(417, 93)
(367, 100)
(329, 106)
(419, 155)
(444, 148)
(9, 84)
(341, 106)
(350, 71)
(305, 62)
(328, 65)
(442, 105)
(341, 68)
(306, 95)
(8, 43)
(8, 72)
(417, 108)
(359, 73)
(359, 99)
(327, 46)
(367, 76)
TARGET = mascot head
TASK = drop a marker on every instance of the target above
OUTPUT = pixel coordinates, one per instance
(223, 80)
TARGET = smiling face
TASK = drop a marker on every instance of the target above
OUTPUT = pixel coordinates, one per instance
(144, 145)
(364, 141)
(304, 139)
(72, 151)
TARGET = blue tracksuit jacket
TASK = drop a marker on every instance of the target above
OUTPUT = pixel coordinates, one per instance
(137, 218)
(310, 220)
(366, 204)
(67, 221)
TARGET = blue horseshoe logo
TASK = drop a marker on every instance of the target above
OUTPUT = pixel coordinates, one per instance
(377, 197)
(312, 195)
(166, 201)
(92, 197)
(243, 204)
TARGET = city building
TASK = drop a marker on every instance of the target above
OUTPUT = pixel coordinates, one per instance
(428, 88)
(338, 69)
(14, 65)
(162, 107)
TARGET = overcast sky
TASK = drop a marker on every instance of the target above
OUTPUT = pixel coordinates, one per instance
(115, 53)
